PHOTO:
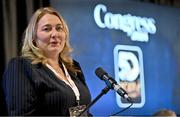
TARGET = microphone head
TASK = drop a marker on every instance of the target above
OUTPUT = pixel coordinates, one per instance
(100, 73)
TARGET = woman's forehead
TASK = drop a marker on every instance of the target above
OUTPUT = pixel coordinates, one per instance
(49, 19)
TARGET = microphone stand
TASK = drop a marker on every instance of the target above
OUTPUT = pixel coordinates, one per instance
(104, 91)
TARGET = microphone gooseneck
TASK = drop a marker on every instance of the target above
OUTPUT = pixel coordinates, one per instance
(111, 83)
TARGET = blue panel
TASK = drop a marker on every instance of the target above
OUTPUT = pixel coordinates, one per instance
(94, 46)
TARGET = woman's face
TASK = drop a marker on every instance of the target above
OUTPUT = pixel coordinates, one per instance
(50, 35)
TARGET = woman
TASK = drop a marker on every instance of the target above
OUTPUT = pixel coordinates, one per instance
(45, 80)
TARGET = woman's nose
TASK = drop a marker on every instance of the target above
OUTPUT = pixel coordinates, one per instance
(54, 33)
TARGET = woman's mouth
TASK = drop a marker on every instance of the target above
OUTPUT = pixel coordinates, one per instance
(54, 43)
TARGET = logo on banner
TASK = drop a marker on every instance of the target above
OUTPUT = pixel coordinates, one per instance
(129, 73)
(136, 27)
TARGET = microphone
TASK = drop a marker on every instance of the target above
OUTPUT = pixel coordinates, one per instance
(112, 83)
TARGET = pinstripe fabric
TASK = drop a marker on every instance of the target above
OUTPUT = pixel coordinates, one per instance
(35, 90)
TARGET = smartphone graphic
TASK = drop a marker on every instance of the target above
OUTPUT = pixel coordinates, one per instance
(129, 73)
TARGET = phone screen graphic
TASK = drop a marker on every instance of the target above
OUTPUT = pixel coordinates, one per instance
(129, 73)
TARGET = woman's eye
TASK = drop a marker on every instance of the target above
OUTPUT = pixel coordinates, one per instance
(59, 28)
(47, 29)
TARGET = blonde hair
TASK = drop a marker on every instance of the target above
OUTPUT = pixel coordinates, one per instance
(29, 49)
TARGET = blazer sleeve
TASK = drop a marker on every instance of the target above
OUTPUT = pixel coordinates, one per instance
(80, 74)
(19, 91)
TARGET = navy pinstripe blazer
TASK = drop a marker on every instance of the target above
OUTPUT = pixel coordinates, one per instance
(35, 90)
